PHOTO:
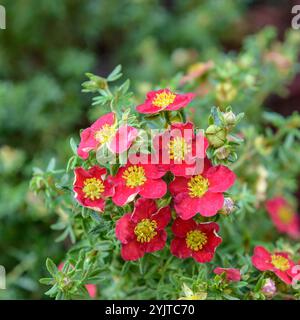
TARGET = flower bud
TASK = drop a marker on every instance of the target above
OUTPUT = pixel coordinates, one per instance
(216, 135)
(229, 120)
(222, 152)
(228, 206)
(269, 288)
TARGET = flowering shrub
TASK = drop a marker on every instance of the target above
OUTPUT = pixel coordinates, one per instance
(182, 175)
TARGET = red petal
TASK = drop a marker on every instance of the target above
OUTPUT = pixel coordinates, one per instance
(125, 228)
(97, 205)
(143, 209)
(91, 289)
(261, 259)
(108, 118)
(179, 249)
(97, 172)
(178, 185)
(109, 190)
(80, 176)
(147, 108)
(124, 194)
(87, 143)
(220, 178)
(283, 276)
(208, 227)
(181, 227)
(181, 101)
(153, 189)
(132, 251)
(185, 206)
(162, 217)
(213, 241)
(210, 203)
(183, 130)
(202, 256)
(157, 243)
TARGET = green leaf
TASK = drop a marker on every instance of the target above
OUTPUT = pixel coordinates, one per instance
(115, 74)
(51, 267)
(73, 146)
(46, 281)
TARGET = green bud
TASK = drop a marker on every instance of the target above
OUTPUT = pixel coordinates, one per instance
(216, 135)
(222, 152)
(229, 120)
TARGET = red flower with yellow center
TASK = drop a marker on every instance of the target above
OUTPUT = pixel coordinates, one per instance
(284, 217)
(133, 179)
(198, 241)
(277, 262)
(105, 131)
(164, 99)
(91, 189)
(143, 230)
(201, 193)
(180, 150)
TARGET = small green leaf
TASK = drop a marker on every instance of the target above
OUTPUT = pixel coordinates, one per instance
(51, 267)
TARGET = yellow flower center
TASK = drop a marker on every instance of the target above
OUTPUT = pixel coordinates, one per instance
(197, 186)
(286, 215)
(105, 133)
(145, 230)
(163, 99)
(134, 176)
(195, 240)
(93, 188)
(280, 262)
(178, 148)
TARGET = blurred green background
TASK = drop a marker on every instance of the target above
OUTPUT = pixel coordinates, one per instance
(45, 51)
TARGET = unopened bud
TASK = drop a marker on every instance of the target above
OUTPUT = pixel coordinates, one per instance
(269, 288)
(228, 206)
(229, 119)
(222, 152)
(216, 136)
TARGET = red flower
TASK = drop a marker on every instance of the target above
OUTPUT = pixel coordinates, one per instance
(201, 193)
(142, 179)
(91, 288)
(91, 189)
(105, 131)
(143, 230)
(284, 218)
(232, 274)
(195, 240)
(278, 262)
(164, 99)
(180, 150)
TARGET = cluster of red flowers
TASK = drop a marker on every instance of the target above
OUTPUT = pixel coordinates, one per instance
(192, 191)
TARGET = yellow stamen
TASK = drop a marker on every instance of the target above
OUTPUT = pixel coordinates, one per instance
(178, 148)
(286, 214)
(105, 133)
(195, 240)
(197, 186)
(145, 230)
(134, 176)
(163, 99)
(93, 188)
(280, 262)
